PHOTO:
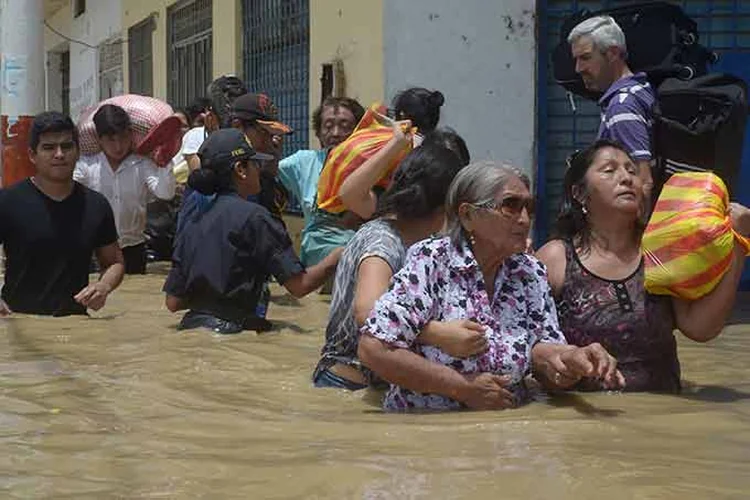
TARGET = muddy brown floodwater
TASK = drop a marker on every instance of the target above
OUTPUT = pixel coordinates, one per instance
(123, 406)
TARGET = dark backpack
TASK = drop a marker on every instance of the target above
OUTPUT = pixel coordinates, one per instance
(662, 42)
(699, 125)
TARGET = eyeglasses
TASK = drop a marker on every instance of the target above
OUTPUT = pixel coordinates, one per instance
(510, 206)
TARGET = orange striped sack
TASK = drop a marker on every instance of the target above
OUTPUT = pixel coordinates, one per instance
(689, 241)
(372, 133)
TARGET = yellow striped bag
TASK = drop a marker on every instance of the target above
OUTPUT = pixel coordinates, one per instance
(372, 133)
(689, 240)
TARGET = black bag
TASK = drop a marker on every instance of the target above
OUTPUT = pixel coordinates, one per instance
(699, 125)
(662, 41)
(161, 225)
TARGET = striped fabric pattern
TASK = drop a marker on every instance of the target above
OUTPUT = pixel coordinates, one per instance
(372, 133)
(627, 109)
(672, 167)
(689, 239)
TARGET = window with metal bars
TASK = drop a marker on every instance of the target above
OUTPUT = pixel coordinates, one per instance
(110, 68)
(276, 53)
(141, 58)
(190, 59)
(276, 59)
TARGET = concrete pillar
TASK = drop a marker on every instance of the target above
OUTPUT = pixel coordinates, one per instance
(22, 75)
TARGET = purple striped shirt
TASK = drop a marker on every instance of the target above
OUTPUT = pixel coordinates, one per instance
(627, 113)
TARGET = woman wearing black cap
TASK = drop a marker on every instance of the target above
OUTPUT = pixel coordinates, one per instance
(228, 246)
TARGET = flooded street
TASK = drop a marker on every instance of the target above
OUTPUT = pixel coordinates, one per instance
(124, 406)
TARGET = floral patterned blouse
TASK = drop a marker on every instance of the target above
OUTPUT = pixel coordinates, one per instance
(443, 281)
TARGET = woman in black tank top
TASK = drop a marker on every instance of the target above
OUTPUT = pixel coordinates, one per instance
(595, 269)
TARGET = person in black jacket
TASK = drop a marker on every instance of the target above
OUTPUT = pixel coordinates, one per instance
(229, 247)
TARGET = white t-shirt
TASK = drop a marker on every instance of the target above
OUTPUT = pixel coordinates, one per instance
(192, 140)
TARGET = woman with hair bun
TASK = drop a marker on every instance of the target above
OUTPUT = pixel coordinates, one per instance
(410, 210)
(414, 107)
(420, 106)
(229, 246)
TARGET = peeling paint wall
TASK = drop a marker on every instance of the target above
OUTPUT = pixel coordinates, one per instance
(352, 32)
(482, 56)
(101, 21)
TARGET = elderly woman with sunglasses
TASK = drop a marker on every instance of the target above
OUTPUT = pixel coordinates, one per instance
(476, 273)
(596, 274)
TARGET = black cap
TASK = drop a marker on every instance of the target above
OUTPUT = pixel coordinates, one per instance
(226, 146)
(260, 109)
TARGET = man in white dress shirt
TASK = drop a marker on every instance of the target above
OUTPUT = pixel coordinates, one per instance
(127, 180)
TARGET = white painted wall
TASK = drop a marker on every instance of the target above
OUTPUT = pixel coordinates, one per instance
(21, 41)
(101, 20)
(481, 55)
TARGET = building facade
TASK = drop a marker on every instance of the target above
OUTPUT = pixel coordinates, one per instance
(83, 47)
(491, 60)
(298, 51)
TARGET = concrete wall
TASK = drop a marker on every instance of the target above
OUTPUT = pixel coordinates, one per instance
(482, 55)
(353, 32)
(101, 21)
(227, 57)
(227, 37)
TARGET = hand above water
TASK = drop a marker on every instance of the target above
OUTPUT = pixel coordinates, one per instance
(486, 391)
(93, 296)
(591, 361)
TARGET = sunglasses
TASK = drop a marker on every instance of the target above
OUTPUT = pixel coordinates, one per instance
(511, 206)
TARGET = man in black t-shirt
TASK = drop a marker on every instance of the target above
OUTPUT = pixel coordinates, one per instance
(49, 228)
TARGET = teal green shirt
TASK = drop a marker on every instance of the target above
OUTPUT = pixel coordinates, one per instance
(300, 173)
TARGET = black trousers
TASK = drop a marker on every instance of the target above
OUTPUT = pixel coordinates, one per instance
(135, 259)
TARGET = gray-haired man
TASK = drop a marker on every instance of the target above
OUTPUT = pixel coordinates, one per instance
(600, 52)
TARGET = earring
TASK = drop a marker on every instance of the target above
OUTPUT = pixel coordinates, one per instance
(472, 239)
(584, 210)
